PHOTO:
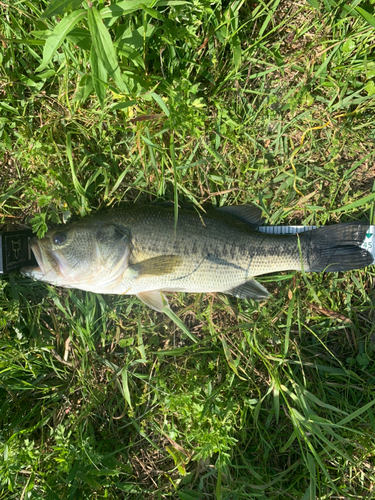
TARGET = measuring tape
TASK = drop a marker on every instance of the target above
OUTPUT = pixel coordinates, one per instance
(368, 243)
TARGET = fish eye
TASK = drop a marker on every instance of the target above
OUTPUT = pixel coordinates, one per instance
(59, 238)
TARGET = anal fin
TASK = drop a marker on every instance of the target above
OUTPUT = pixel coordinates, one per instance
(251, 289)
(154, 299)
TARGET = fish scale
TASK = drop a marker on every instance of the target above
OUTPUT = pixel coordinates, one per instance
(198, 237)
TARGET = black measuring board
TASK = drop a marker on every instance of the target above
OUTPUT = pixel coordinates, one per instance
(15, 251)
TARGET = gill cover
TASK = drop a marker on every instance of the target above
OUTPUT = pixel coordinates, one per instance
(113, 249)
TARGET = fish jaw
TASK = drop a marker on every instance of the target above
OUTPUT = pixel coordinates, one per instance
(33, 272)
(51, 266)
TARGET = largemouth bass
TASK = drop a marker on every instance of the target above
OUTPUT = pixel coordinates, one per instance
(138, 251)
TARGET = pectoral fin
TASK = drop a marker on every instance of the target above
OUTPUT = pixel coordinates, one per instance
(156, 266)
(154, 299)
(249, 290)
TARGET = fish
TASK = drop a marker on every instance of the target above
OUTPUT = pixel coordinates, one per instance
(140, 250)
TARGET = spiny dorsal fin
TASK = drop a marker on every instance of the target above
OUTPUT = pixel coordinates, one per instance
(154, 299)
(157, 266)
(249, 290)
(250, 214)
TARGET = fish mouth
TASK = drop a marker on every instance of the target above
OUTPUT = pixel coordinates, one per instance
(33, 243)
(51, 266)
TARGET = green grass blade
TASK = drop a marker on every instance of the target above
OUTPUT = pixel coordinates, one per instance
(77, 185)
(366, 15)
(58, 35)
(179, 323)
(125, 386)
(175, 179)
(104, 49)
(153, 12)
(99, 76)
(57, 7)
(228, 356)
(124, 7)
(312, 470)
(289, 324)
(358, 203)
(356, 413)
(161, 103)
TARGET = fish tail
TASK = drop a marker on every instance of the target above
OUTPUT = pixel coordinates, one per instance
(335, 248)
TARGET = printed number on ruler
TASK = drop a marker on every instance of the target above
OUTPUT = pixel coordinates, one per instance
(368, 244)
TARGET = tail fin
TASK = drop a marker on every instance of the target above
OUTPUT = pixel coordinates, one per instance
(336, 248)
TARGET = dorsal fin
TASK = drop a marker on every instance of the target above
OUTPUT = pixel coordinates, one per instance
(250, 214)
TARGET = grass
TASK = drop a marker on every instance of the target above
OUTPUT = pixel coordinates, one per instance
(206, 103)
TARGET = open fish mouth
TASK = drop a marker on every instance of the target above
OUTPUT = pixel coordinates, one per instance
(37, 254)
(50, 267)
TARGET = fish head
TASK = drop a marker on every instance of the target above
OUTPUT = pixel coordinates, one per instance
(91, 255)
